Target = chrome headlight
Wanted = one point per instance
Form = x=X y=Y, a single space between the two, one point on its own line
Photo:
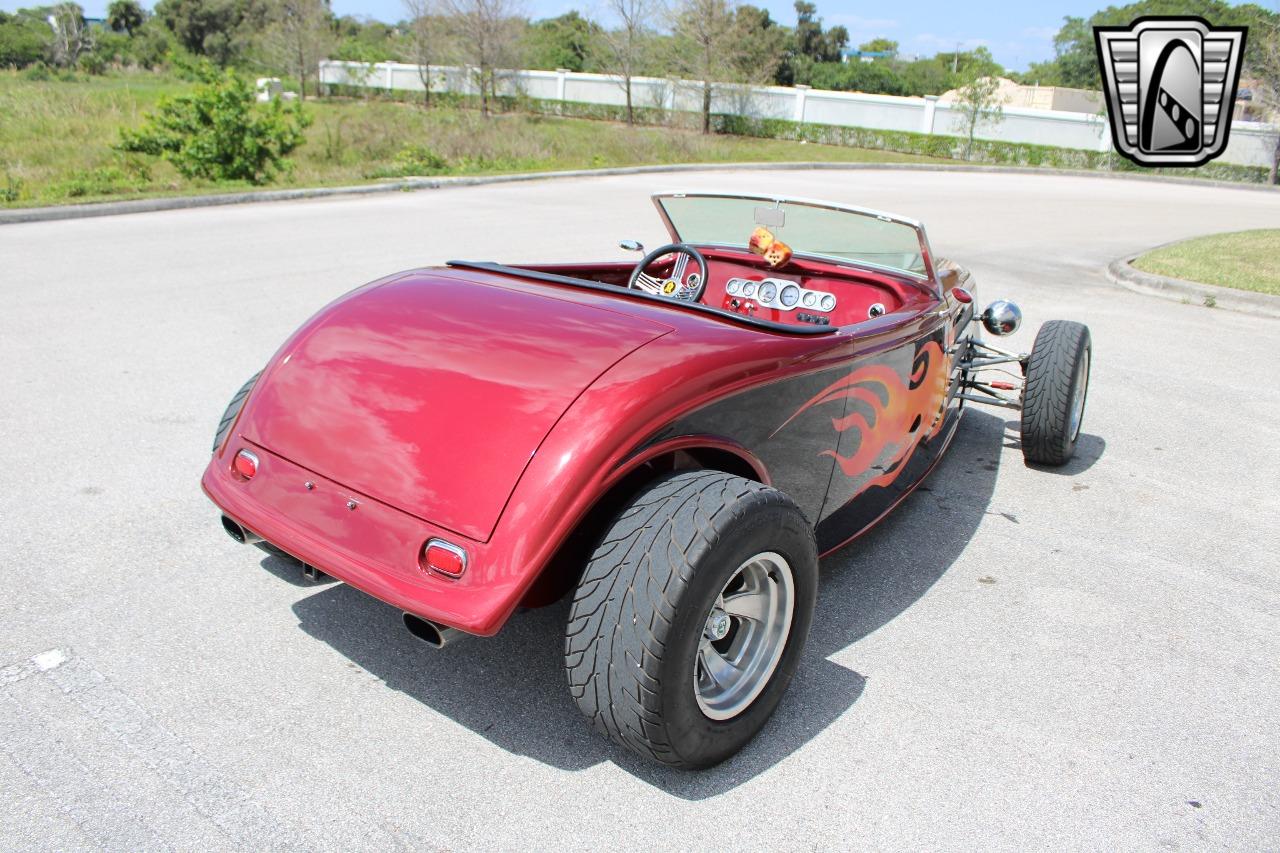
x=1002 y=317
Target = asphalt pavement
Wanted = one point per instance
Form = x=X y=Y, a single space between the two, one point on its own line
x=1083 y=658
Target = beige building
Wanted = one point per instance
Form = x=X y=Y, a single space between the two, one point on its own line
x=1015 y=95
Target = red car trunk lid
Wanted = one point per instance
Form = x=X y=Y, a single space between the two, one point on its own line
x=431 y=393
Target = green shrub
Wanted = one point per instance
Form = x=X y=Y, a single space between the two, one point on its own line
x=12 y=189
x=188 y=66
x=24 y=38
x=219 y=132
x=93 y=63
x=355 y=50
x=335 y=146
x=111 y=47
x=420 y=160
x=503 y=163
x=37 y=72
x=152 y=44
x=105 y=180
x=412 y=161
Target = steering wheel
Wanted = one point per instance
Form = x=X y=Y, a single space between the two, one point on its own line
x=676 y=286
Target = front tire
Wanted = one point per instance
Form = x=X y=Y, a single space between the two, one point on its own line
x=691 y=617
x=1057 y=387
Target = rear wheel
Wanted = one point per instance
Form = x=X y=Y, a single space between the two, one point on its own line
x=1057 y=387
x=690 y=619
x=233 y=409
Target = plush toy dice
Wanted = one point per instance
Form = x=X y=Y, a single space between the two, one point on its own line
x=775 y=252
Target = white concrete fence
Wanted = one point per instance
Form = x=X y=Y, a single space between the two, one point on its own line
x=1251 y=143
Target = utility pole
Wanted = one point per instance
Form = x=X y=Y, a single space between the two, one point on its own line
x=955 y=59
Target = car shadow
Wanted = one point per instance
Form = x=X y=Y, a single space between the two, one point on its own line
x=1089 y=449
x=289 y=570
x=511 y=688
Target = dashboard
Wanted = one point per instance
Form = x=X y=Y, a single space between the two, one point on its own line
x=783 y=295
x=802 y=291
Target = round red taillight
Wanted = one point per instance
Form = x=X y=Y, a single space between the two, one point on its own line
x=245 y=464
x=444 y=557
x=962 y=295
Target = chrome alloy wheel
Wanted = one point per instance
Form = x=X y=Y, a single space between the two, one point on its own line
x=744 y=636
x=1077 y=402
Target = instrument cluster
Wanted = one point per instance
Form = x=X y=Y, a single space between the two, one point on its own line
x=781 y=295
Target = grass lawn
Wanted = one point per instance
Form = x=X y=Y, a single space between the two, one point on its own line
x=56 y=138
x=1245 y=260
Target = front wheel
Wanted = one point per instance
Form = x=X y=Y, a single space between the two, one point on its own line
x=691 y=616
x=1057 y=387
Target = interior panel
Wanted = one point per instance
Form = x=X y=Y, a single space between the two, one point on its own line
x=856 y=291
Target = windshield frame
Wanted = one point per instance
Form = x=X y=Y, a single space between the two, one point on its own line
x=928 y=277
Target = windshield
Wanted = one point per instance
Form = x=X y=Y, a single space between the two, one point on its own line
x=862 y=237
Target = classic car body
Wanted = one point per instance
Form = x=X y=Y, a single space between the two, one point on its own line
x=507 y=413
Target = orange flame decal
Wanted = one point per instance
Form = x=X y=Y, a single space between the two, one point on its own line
x=901 y=414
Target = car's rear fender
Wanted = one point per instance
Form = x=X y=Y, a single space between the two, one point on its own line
x=688 y=452
x=622 y=430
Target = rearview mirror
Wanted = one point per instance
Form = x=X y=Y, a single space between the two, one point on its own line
x=632 y=245
x=771 y=217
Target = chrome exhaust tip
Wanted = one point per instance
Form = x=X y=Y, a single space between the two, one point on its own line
x=432 y=633
x=243 y=535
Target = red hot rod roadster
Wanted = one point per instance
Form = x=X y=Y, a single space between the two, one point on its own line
x=674 y=442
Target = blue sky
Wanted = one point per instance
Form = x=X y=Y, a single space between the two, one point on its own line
x=1017 y=33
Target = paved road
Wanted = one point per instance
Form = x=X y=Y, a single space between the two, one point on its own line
x=1074 y=659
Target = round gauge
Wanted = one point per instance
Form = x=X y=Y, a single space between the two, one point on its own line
x=768 y=291
x=828 y=302
x=789 y=296
x=749 y=288
x=692 y=279
x=733 y=287
x=810 y=300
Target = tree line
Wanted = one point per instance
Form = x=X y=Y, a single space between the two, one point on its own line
x=722 y=41
x=717 y=39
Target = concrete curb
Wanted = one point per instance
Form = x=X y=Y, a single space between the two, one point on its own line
x=1122 y=273
x=117 y=208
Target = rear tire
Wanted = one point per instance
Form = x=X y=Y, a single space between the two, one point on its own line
x=233 y=409
x=1056 y=390
x=661 y=583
